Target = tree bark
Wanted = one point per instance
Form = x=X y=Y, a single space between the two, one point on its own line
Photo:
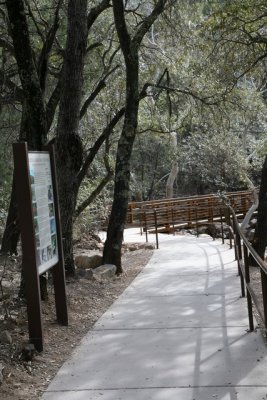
x=32 y=93
x=260 y=238
x=112 y=249
x=69 y=150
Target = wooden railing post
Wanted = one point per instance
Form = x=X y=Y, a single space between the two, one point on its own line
x=196 y=216
x=145 y=223
x=173 y=223
x=221 y=221
x=156 y=228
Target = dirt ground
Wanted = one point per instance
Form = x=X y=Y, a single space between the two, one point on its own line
x=87 y=301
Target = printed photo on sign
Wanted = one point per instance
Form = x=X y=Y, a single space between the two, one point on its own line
x=53 y=226
x=37 y=241
x=50 y=193
x=44 y=255
x=51 y=210
x=39 y=257
x=34 y=209
x=49 y=252
x=31 y=176
x=54 y=244
x=33 y=193
x=36 y=225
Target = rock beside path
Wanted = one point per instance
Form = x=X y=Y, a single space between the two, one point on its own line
x=86 y=261
x=105 y=271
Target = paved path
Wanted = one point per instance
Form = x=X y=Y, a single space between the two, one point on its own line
x=178 y=332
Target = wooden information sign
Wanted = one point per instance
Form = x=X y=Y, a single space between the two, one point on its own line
x=39 y=220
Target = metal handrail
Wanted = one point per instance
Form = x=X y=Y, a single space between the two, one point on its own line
x=243 y=249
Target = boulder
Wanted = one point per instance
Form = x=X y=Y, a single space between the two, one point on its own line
x=138 y=246
x=202 y=230
x=105 y=271
x=149 y=246
x=133 y=247
x=86 y=273
x=146 y=246
x=215 y=230
x=85 y=261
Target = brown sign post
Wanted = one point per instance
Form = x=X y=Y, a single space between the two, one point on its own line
x=39 y=219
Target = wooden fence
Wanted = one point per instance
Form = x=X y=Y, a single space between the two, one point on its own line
x=187 y=211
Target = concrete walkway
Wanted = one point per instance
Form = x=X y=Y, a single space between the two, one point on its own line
x=178 y=332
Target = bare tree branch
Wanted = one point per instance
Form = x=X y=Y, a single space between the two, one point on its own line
x=101 y=85
x=47 y=46
x=148 y=21
x=96 y=11
x=99 y=188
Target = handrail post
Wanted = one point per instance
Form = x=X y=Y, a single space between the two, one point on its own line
x=239 y=258
x=189 y=216
x=140 y=218
x=264 y=296
x=145 y=221
x=235 y=235
x=196 y=216
x=173 y=222
x=249 y=300
x=228 y=222
x=156 y=228
x=221 y=220
x=228 y=216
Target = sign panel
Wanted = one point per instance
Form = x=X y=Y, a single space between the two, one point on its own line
x=41 y=239
x=43 y=210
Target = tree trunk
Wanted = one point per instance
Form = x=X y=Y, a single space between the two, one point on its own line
x=260 y=238
x=12 y=231
x=69 y=151
x=130 y=47
x=253 y=208
x=112 y=249
x=33 y=121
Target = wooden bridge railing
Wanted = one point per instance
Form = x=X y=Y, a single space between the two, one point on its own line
x=186 y=206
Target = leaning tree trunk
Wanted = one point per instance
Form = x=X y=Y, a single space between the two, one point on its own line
x=260 y=238
x=69 y=152
x=253 y=208
x=112 y=249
